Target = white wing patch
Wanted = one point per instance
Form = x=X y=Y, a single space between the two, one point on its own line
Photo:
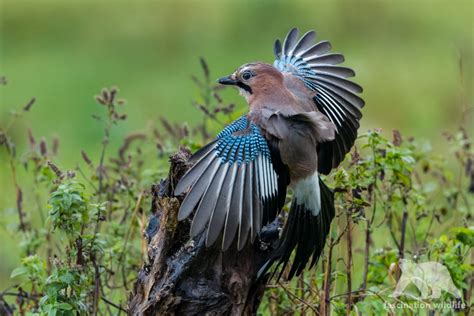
x=268 y=178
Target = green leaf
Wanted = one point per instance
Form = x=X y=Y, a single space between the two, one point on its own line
x=43 y=300
x=18 y=271
x=67 y=278
x=64 y=306
x=465 y=235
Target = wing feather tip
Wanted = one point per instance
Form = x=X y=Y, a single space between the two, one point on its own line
x=277 y=48
x=182 y=215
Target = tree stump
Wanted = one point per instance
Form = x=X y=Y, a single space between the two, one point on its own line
x=184 y=277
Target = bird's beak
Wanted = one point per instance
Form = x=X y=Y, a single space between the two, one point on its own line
x=229 y=80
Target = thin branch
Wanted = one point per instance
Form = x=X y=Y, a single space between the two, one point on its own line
x=113 y=304
x=366 y=255
x=135 y=211
x=325 y=302
x=401 y=249
x=298 y=298
x=349 y=263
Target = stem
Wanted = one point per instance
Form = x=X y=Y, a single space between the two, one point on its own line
x=401 y=249
x=105 y=142
x=120 y=308
x=349 y=264
x=302 y=290
x=366 y=256
x=326 y=303
x=96 y=293
x=135 y=211
x=298 y=298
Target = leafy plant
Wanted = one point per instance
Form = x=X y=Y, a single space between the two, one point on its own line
x=394 y=199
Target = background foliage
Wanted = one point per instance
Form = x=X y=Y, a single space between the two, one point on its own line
x=415 y=61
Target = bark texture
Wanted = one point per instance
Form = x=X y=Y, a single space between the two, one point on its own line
x=184 y=277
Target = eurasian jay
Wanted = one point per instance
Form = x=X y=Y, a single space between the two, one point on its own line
x=303 y=119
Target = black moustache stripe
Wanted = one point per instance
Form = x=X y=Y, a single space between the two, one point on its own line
x=245 y=87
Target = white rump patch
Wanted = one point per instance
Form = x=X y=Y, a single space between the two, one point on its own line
x=307 y=193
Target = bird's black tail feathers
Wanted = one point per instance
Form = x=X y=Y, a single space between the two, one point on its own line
x=305 y=233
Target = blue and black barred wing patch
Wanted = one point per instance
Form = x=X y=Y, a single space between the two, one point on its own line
x=232 y=186
x=336 y=97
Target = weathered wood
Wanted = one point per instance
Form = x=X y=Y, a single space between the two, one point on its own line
x=186 y=278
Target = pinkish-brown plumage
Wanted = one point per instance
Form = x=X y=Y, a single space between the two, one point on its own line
x=303 y=119
x=284 y=108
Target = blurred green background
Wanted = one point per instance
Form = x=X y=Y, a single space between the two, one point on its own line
x=407 y=55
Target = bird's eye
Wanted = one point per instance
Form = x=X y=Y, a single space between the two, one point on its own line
x=246 y=75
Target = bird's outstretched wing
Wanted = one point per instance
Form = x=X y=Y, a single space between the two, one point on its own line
x=236 y=185
x=336 y=97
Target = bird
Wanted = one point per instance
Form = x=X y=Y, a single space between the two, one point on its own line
x=303 y=119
